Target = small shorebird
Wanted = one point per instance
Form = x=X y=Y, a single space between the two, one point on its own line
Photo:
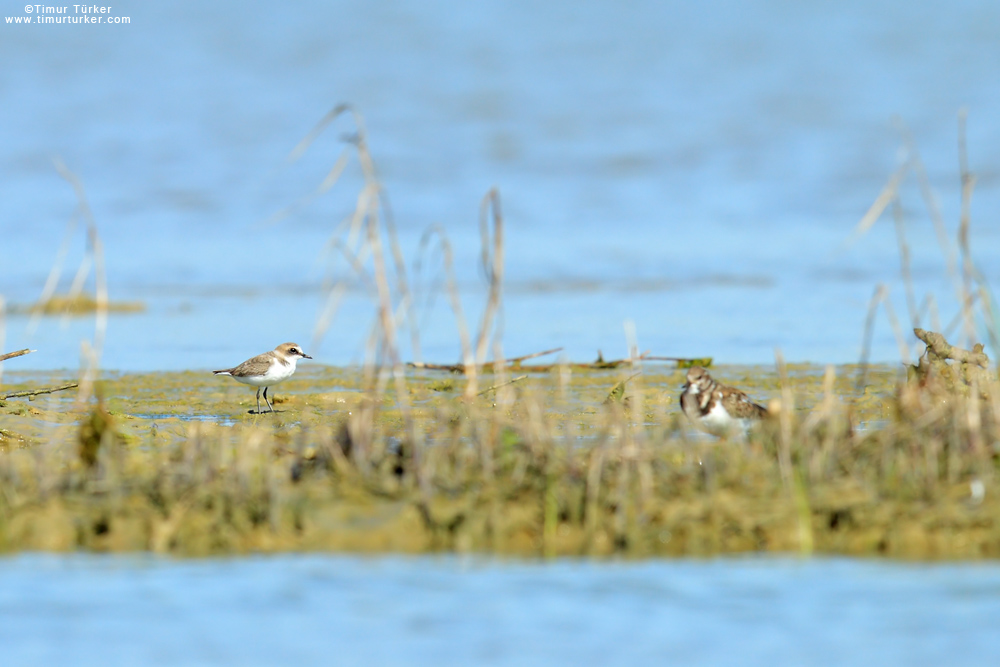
x=268 y=369
x=716 y=408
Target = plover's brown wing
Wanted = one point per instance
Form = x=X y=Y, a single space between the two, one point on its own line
x=739 y=405
x=255 y=366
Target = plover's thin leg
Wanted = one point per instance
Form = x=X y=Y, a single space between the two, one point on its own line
x=267 y=401
x=258 y=399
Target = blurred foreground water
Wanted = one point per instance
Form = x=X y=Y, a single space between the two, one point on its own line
x=312 y=610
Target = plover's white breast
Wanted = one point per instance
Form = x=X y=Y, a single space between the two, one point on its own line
x=276 y=372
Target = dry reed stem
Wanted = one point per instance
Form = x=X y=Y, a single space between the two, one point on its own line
x=91 y=352
x=331 y=178
x=785 y=417
x=52 y=280
x=904 y=262
x=866 y=340
x=933 y=208
x=468 y=358
x=897 y=330
x=507 y=396
x=881 y=296
x=406 y=300
x=960 y=318
x=826 y=413
x=989 y=316
x=968 y=181
x=388 y=333
x=930 y=307
x=332 y=115
x=888 y=194
x=493 y=265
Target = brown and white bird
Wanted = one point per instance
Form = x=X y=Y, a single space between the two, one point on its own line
x=268 y=369
x=716 y=408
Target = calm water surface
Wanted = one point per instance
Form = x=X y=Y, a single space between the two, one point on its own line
x=313 y=610
x=694 y=168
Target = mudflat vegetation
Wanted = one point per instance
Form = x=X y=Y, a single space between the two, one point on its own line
x=560 y=462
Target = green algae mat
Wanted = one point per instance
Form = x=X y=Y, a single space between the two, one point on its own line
x=555 y=463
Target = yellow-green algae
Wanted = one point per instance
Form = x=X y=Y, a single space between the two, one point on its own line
x=175 y=462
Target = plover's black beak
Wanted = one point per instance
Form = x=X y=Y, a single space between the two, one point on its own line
x=305 y=356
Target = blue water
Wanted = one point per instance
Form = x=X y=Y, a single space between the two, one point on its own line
x=319 y=610
x=694 y=168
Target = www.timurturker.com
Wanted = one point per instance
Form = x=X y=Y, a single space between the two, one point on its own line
x=86 y=14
